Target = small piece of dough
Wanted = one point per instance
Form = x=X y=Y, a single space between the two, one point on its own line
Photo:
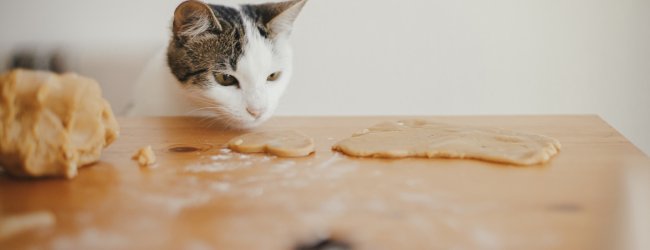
x=281 y=143
x=13 y=225
x=52 y=124
x=418 y=138
x=145 y=156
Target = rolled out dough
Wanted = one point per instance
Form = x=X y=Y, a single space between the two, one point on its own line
x=281 y=143
x=52 y=124
x=418 y=138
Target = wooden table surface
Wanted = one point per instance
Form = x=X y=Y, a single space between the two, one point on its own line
x=200 y=196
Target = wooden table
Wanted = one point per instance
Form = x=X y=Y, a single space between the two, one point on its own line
x=200 y=196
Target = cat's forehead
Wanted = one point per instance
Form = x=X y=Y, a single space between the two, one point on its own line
x=230 y=44
x=194 y=57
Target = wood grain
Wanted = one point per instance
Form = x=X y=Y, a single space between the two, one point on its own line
x=201 y=197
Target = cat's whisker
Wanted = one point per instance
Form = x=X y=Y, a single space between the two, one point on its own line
x=221 y=116
x=202 y=109
x=204 y=100
x=215 y=121
x=205 y=119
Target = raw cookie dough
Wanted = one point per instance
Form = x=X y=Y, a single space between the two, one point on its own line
x=281 y=143
x=418 y=138
x=52 y=124
x=145 y=156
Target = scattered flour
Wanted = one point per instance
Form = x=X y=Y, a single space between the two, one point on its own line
x=413 y=183
x=327 y=163
x=486 y=239
x=83 y=218
x=91 y=238
x=174 y=204
x=297 y=183
x=339 y=171
x=197 y=245
x=283 y=166
x=253 y=179
x=220 y=157
x=221 y=186
x=290 y=175
x=376 y=205
x=416 y=198
x=334 y=206
x=267 y=158
x=217 y=167
x=255 y=192
x=16 y=224
x=207 y=168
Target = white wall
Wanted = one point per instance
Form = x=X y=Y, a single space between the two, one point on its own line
x=366 y=57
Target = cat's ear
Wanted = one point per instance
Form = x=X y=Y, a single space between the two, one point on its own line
x=279 y=17
x=192 y=18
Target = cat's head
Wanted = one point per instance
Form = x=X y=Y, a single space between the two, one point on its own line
x=234 y=63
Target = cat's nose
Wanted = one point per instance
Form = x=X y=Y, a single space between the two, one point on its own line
x=254 y=112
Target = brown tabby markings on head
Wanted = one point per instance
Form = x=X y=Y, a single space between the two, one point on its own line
x=193 y=58
x=208 y=38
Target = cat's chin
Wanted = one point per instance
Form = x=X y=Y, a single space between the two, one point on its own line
x=247 y=125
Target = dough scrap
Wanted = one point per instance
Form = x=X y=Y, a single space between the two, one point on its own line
x=419 y=138
x=281 y=143
x=145 y=156
x=52 y=124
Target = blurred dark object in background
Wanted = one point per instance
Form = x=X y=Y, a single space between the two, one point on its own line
x=32 y=58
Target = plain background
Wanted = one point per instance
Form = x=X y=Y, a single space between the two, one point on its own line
x=365 y=57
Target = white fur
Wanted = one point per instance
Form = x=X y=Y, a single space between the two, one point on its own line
x=158 y=93
x=284 y=22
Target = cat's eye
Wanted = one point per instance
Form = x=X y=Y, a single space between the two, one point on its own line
x=274 y=77
x=226 y=80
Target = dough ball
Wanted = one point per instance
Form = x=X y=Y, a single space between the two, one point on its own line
x=50 y=124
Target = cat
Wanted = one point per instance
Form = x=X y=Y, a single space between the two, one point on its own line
x=229 y=63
